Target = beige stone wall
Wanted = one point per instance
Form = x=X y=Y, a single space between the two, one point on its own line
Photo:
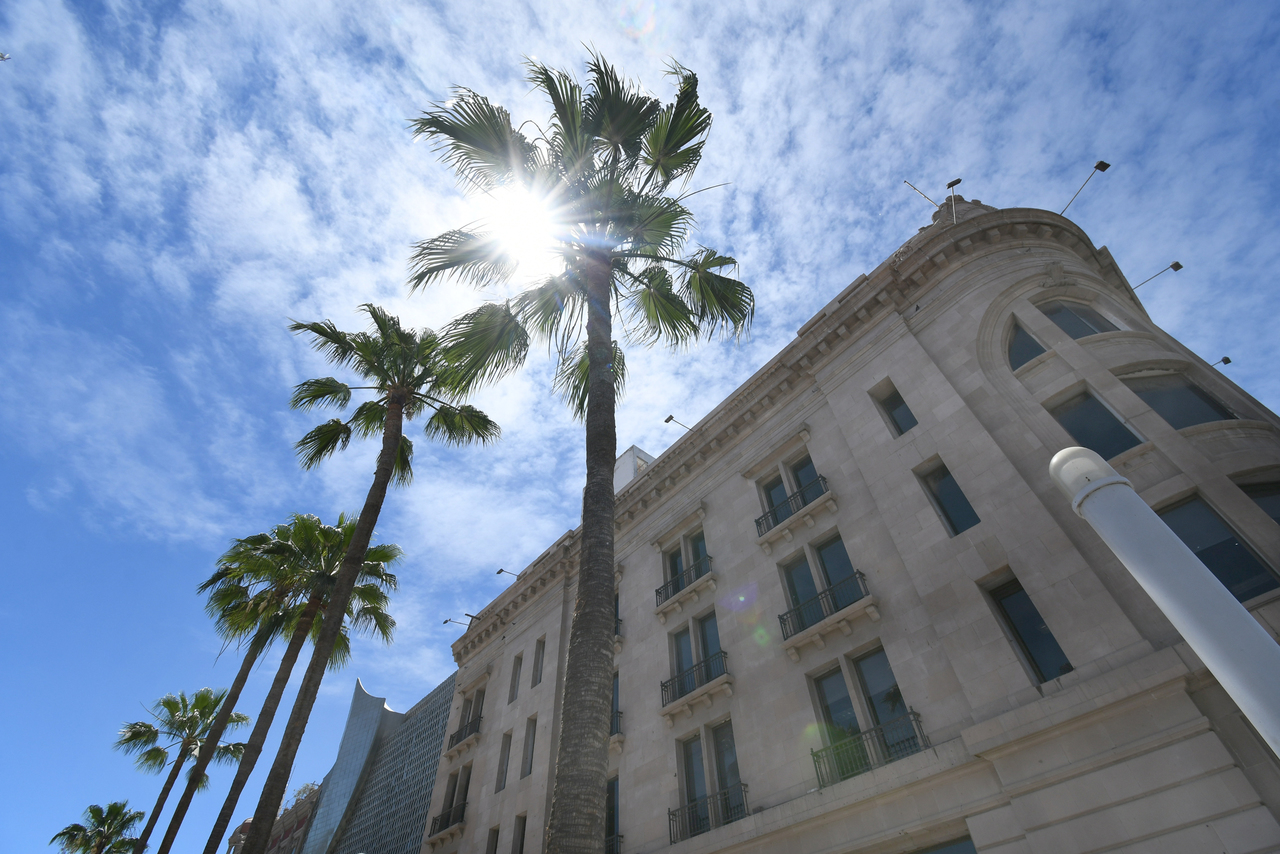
x=1136 y=749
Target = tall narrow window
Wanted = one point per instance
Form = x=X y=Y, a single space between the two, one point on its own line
x=1046 y=657
x=617 y=618
x=960 y=846
x=1093 y=426
x=775 y=498
x=464 y=783
x=955 y=508
x=1078 y=321
x=732 y=803
x=675 y=568
x=698 y=553
x=615 y=717
x=515 y=678
x=695 y=787
x=899 y=413
x=1266 y=496
x=1177 y=401
x=491 y=847
x=504 y=759
x=836 y=705
x=709 y=637
x=800 y=583
x=530 y=731
x=880 y=687
x=1219 y=549
x=807 y=483
x=840 y=575
x=611 y=832
x=517 y=844
x=1022 y=347
x=540 y=650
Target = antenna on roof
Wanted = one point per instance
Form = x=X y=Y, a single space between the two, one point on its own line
x=952 y=188
x=917 y=189
x=1100 y=166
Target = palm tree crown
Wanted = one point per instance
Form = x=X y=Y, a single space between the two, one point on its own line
x=105 y=831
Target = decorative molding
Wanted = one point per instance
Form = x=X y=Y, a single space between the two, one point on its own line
x=841 y=621
x=703 y=696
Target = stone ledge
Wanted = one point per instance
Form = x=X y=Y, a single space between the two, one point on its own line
x=689 y=593
x=462 y=746
x=703 y=695
x=444 y=837
x=785 y=530
x=868 y=605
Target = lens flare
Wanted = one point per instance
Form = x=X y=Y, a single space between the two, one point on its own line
x=639 y=18
x=740 y=599
x=526 y=227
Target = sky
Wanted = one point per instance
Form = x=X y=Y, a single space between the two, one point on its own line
x=179 y=180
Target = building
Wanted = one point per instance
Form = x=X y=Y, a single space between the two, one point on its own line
x=289 y=830
x=855 y=614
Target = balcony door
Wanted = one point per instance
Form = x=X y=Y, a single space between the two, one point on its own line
x=709 y=638
x=730 y=803
x=682 y=642
x=695 y=788
x=839 y=574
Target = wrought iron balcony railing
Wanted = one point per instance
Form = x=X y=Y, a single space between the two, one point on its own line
x=795 y=501
x=683 y=580
x=837 y=597
x=448 y=818
x=695 y=677
x=613 y=844
x=615 y=723
x=719 y=808
x=470 y=728
x=862 y=751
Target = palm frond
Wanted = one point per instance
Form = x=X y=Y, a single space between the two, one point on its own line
x=322 y=441
x=617 y=111
x=476 y=258
x=723 y=305
x=572 y=379
x=462 y=425
x=552 y=310
x=369 y=419
x=571 y=141
x=658 y=311
x=476 y=138
x=325 y=391
x=329 y=340
x=402 y=468
x=486 y=344
x=673 y=147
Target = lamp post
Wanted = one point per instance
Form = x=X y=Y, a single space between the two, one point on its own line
x=1238 y=652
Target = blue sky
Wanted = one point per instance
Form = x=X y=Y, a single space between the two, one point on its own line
x=178 y=180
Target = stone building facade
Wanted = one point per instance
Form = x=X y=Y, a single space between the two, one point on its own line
x=855 y=615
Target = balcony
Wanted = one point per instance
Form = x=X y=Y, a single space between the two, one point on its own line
x=863 y=751
x=447 y=826
x=832 y=609
x=697 y=685
x=799 y=507
x=685 y=587
x=616 y=738
x=460 y=742
x=716 y=809
x=613 y=844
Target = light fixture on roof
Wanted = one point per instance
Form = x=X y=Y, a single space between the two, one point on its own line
x=952 y=187
x=671 y=418
x=449 y=620
x=922 y=195
x=1225 y=360
x=1175 y=267
x=1100 y=166
x=507 y=571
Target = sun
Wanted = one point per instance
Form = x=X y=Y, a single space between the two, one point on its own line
x=526 y=226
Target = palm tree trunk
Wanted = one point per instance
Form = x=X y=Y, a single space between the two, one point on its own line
x=582 y=760
x=278 y=778
x=209 y=747
x=257 y=738
x=141 y=844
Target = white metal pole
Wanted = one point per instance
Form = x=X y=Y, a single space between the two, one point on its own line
x=1238 y=652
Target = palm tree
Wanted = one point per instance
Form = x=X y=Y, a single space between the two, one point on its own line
x=105 y=831
x=407 y=371
x=184 y=725
x=273 y=585
x=605 y=162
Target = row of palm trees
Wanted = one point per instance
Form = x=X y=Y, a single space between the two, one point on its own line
x=604 y=164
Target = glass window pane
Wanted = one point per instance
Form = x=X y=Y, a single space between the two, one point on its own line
x=1093 y=426
x=956 y=509
x=804 y=472
x=1219 y=549
x=698 y=547
x=694 y=781
x=1022 y=348
x=775 y=493
x=684 y=651
x=1178 y=401
x=881 y=687
x=709 y=635
x=837 y=707
x=675 y=565
x=1266 y=496
x=899 y=413
x=1047 y=658
x=800 y=583
x=835 y=562
x=960 y=846
x=726 y=756
x=611 y=808
x=1078 y=321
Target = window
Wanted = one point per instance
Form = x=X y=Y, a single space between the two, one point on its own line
x=1219 y=549
x=491 y=847
x=838 y=716
x=615 y=716
x=732 y=803
x=839 y=574
x=1093 y=426
x=675 y=568
x=471 y=707
x=880 y=688
x=800 y=584
x=1022 y=347
x=517 y=843
x=1038 y=644
x=530 y=731
x=899 y=413
x=455 y=793
x=1266 y=496
x=697 y=550
x=694 y=667
x=1078 y=321
x=955 y=509
x=504 y=759
x=795 y=486
x=540 y=650
x=1177 y=401
x=515 y=678
x=611 y=834
x=695 y=787
x=960 y=846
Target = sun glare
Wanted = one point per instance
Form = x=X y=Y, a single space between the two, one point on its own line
x=526 y=226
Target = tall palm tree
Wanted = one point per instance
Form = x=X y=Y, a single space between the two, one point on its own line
x=606 y=163
x=105 y=831
x=183 y=725
x=409 y=376
x=276 y=584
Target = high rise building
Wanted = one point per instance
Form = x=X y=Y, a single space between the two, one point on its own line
x=854 y=613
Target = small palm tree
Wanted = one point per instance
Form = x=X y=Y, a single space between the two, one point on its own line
x=605 y=163
x=105 y=831
x=409 y=376
x=181 y=725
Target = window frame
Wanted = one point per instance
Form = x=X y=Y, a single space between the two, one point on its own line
x=1245 y=544
x=530 y=745
x=1005 y=581
x=1070 y=303
x=1195 y=388
x=1010 y=333
x=863 y=714
x=517 y=663
x=923 y=474
x=539 y=656
x=880 y=394
x=1086 y=390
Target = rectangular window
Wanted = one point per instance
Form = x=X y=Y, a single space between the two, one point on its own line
x=960 y=846
x=1266 y=496
x=1219 y=549
x=837 y=707
x=1177 y=401
x=450 y=791
x=540 y=650
x=1078 y=321
x=615 y=719
x=800 y=584
x=880 y=687
x=1028 y=627
x=675 y=565
x=1022 y=347
x=517 y=843
x=695 y=787
x=515 y=678
x=956 y=510
x=732 y=803
x=611 y=816
x=464 y=783
x=1093 y=426
x=709 y=635
x=840 y=575
x=899 y=413
x=530 y=731
x=504 y=759
x=491 y=847
x=775 y=498
x=807 y=483
x=698 y=547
